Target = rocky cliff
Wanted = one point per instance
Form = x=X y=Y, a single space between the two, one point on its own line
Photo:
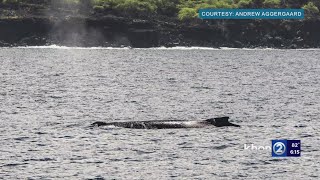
x=115 y=31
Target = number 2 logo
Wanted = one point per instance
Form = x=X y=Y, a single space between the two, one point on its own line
x=279 y=148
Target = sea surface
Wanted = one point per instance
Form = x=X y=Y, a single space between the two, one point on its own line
x=49 y=96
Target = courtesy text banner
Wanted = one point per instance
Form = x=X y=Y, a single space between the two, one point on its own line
x=251 y=13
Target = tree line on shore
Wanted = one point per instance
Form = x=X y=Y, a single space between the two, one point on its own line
x=182 y=9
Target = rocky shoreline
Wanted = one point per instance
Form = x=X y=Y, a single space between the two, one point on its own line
x=115 y=31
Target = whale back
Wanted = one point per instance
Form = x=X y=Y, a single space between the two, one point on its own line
x=221 y=121
x=168 y=124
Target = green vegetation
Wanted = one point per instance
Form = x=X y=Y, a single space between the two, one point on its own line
x=187 y=9
x=128 y=6
x=311 y=8
x=187 y=13
x=182 y=9
x=136 y=6
x=245 y=3
x=272 y=3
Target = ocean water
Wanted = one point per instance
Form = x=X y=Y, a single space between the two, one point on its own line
x=50 y=96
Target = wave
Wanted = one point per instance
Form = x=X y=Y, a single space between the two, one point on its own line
x=67 y=47
x=154 y=48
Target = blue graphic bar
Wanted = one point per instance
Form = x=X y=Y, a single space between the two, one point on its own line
x=251 y=13
x=286 y=148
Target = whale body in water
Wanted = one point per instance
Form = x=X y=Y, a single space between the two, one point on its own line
x=169 y=124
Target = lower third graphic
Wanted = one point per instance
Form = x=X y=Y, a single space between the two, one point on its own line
x=286 y=148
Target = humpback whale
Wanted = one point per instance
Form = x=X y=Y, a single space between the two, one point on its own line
x=169 y=124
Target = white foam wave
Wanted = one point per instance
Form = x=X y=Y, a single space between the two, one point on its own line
x=68 y=47
x=157 y=48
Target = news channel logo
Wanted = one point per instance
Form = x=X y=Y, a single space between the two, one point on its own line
x=286 y=148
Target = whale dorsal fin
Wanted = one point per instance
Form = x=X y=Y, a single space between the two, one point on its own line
x=221 y=121
x=98 y=123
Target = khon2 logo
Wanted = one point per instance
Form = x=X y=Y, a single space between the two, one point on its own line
x=286 y=148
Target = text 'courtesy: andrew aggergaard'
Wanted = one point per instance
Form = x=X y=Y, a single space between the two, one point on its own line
x=251 y=13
